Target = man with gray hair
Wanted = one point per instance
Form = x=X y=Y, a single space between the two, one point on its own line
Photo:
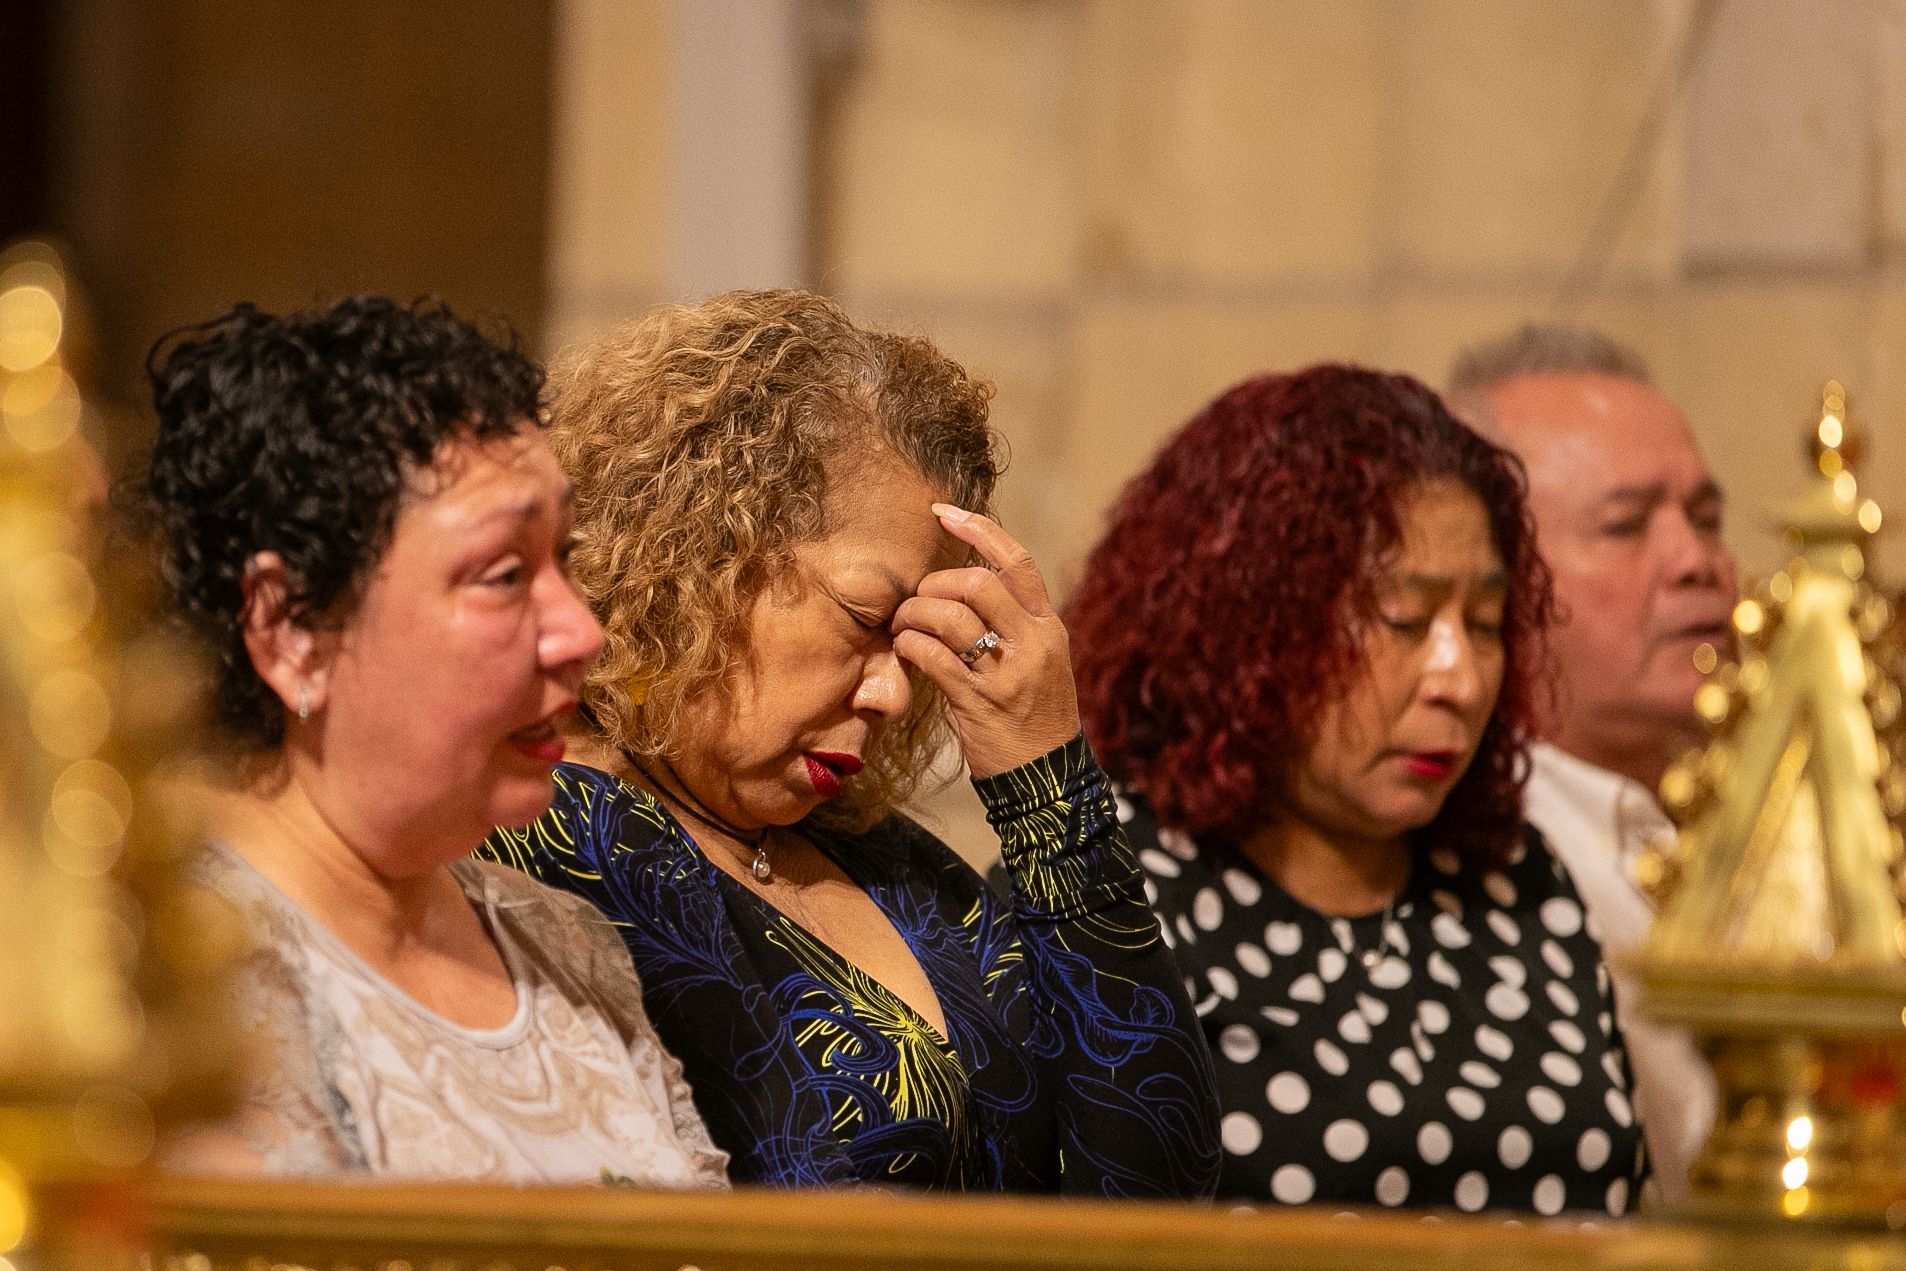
x=1629 y=519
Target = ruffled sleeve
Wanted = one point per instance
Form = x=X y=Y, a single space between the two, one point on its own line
x=1112 y=1026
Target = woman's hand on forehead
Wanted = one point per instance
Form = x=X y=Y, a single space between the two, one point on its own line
x=989 y=638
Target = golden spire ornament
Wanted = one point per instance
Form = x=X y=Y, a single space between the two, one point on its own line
x=1781 y=940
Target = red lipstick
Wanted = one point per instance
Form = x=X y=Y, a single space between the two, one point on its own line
x=1429 y=765
x=846 y=765
x=829 y=771
x=550 y=752
x=543 y=741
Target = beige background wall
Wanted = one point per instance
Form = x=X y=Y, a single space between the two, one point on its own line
x=1115 y=208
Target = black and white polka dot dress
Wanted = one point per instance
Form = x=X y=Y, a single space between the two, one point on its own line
x=1460 y=1053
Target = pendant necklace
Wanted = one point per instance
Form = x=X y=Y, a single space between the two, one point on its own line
x=760 y=867
x=1374 y=954
x=1370 y=956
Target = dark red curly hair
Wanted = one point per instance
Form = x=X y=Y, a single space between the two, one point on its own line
x=1217 y=615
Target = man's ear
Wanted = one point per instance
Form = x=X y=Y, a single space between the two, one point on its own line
x=287 y=655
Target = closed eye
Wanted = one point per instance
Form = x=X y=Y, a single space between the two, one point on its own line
x=1628 y=527
x=869 y=623
x=509 y=575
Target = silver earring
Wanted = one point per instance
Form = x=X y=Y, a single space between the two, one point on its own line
x=304 y=705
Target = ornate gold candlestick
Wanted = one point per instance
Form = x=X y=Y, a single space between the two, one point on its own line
x=1781 y=941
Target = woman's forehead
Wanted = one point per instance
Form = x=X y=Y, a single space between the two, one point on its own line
x=1445 y=540
x=474 y=478
x=1444 y=519
x=881 y=524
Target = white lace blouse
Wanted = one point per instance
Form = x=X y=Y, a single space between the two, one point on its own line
x=356 y=1076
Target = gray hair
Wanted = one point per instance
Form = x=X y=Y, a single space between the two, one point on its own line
x=1537 y=347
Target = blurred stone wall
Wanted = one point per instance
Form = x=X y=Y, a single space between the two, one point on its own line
x=1116 y=208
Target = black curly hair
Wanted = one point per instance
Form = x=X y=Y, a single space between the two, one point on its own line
x=298 y=435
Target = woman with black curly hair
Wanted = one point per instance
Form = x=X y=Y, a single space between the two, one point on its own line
x=1306 y=648
x=359 y=514
x=780 y=520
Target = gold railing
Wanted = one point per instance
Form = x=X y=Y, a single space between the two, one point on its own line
x=206 y=1226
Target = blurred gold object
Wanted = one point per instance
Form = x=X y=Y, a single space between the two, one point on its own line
x=104 y=1008
x=1781 y=941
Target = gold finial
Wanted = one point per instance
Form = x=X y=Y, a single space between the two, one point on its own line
x=1781 y=939
x=1829 y=524
x=1834 y=447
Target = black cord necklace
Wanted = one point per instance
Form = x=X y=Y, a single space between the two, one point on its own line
x=760 y=866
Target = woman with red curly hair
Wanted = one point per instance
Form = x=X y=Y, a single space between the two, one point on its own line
x=1306 y=649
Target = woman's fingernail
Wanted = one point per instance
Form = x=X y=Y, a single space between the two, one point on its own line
x=949 y=512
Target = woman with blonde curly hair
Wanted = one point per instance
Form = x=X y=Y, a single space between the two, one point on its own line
x=780 y=522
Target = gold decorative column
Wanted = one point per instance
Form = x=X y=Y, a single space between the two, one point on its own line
x=104 y=960
x=1781 y=941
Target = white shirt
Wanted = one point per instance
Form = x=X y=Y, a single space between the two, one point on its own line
x=353 y=1074
x=556 y=1095
x=1598 y=822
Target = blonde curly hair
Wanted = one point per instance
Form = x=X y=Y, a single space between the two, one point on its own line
x=702 y=440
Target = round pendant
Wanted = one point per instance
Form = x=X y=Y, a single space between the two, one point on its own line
x=759 y=867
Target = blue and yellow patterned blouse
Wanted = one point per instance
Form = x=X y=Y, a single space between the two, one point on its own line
x=1072 y=1060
